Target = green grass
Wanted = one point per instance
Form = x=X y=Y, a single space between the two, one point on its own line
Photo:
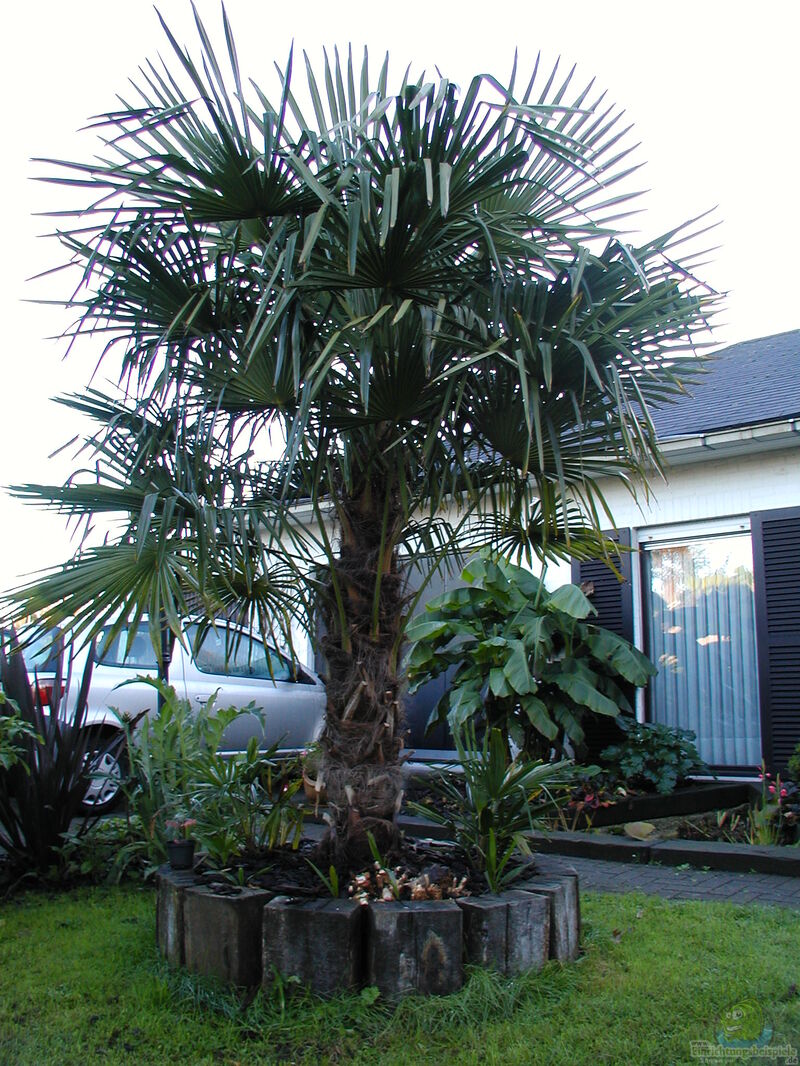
x=80 y=983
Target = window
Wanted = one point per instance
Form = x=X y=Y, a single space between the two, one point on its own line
x=141 y=654
x=700 y=633
x=41 y=655
x=234 y=654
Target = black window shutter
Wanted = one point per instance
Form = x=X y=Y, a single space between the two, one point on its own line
x=776 y=574
x=613 y=600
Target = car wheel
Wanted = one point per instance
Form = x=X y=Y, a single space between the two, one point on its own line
x=107 y=766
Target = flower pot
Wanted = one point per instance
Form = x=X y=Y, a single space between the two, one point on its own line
x=180 y=854
x=313 y=794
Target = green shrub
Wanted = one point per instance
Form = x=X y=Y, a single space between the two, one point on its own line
x=163 y=753
x=111 y=849
x=527 y=661
x=653 y=756
x=243 y=803
x=13 y=731
x=494 y=805
x=238 y=803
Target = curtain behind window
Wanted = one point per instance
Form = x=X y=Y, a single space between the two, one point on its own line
x=700 y=631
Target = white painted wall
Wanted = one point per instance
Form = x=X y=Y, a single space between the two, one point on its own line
x=725 y=486
x=701 y=496
x=710 y=488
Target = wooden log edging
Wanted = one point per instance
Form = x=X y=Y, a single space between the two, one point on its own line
x=244 y=936
x=702 y=854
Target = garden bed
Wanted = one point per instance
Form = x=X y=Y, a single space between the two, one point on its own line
x=245 y=934
x=694 y=798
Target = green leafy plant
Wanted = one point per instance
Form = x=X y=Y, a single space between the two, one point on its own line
x=311 y=759
x=329 y=880
x=527 y=660
x=13 y=730
x=793 y=766
x=163 y=750
x=235 y=803
x=587 y=795
x=244 y=802
x=495 y=804
x=110 y=850
x=653 y=756
x=383 y=867
x=180 y=825
x=763 y=820
x=775 y=816
x=313 y=778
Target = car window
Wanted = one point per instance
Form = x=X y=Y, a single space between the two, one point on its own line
x=233 y=654
x=42 y=653
x=141 y=655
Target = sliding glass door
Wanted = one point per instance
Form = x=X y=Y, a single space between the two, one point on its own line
x=700 y=633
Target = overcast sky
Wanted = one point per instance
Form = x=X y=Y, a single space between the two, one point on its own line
x=710 y=85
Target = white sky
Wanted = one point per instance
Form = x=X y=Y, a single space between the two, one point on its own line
x=711 y=86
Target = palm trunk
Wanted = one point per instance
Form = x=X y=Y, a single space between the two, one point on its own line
x=165 y=658
x=363 y=737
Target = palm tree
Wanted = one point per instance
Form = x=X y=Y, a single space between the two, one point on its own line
x=421 y=295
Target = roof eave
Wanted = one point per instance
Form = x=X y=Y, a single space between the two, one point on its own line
x=741 y=440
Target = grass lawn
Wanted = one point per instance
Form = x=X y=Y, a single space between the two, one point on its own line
x=80 y=983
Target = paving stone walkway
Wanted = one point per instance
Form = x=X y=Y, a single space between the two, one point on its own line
x=680 y=883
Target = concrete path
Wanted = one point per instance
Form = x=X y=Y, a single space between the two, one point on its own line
x=680 y=883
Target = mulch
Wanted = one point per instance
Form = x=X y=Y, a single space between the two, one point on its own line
x=441 y=870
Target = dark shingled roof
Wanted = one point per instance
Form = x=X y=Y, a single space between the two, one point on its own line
x=748 y=383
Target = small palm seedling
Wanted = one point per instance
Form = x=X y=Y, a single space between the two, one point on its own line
x=494 y=806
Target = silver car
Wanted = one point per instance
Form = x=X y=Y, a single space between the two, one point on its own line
x=241 y=668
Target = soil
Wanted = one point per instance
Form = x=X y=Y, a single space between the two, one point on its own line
x=418 y=870
x=428 y=797
x=728 y=827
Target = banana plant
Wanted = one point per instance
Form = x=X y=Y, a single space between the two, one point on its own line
x=527 y=661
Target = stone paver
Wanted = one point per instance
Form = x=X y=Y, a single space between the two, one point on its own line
x=675 y=883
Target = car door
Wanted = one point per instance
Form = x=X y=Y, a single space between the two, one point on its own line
x=290 y=703
x=113 y=667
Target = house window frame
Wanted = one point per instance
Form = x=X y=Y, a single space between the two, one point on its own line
x=664 y=536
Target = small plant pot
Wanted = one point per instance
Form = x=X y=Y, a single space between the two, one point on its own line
x=180 y=854
x=313 y=794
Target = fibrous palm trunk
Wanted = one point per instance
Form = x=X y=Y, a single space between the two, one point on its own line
x=363 y=737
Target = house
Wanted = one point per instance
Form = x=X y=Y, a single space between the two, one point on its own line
x=711 y=590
